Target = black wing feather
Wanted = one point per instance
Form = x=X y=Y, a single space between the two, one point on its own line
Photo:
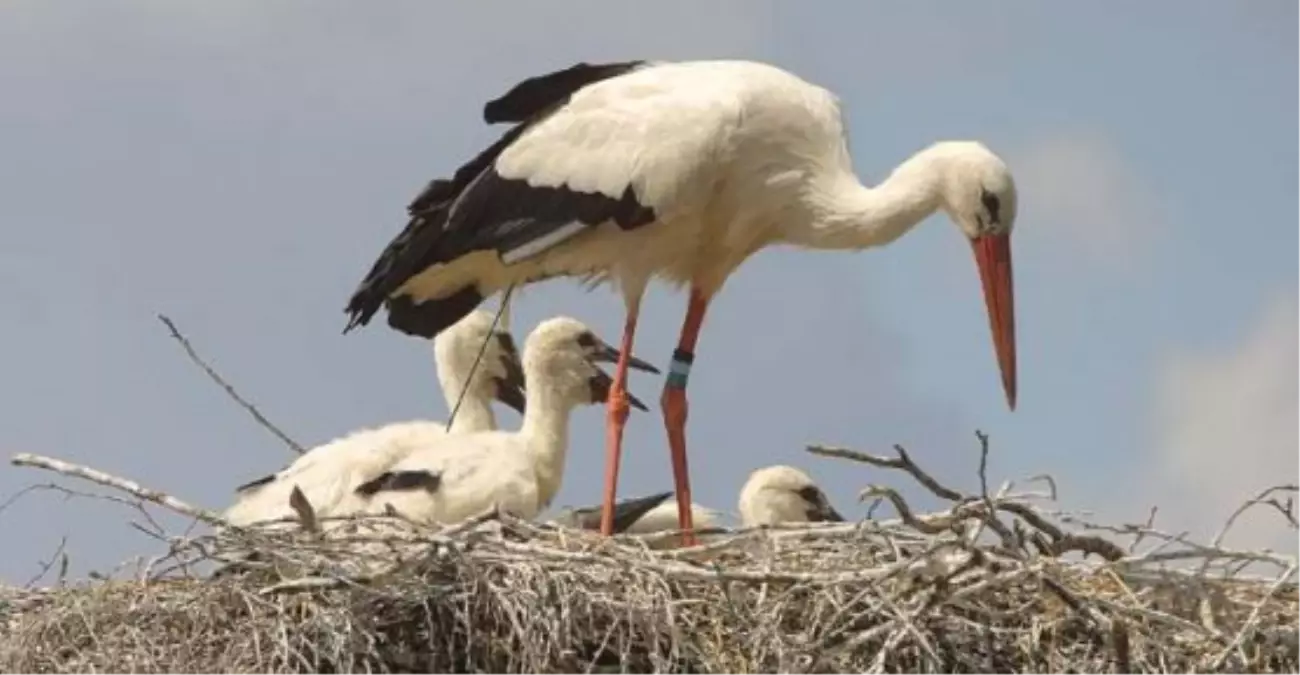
x=626 y=512
x=399 y=481
x=256 y=483
x=407 y=253
x=502 y=214
x=477 y=209
x=535 y=94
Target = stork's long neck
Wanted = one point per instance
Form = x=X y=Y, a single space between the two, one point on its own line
x=845 y=214
x=545 y=430
x=475 y=413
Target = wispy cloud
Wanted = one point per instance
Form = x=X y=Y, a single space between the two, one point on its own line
x=1086 y=198
x=1226 y=427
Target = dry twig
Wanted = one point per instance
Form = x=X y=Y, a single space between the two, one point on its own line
x=108 y=480
x=497 y=594
x=230 y=390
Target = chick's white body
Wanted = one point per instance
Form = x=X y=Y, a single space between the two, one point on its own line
x=518 y=472
x=328 y=473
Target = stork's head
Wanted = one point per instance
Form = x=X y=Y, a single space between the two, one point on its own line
x=978 y=193
x=499 y=374
x=561 y=354
x=784 y=494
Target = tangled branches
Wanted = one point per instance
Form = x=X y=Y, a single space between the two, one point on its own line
x=992 y=583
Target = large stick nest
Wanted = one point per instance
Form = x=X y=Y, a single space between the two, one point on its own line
x=994 y=583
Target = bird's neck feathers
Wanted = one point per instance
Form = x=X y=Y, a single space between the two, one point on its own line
x=845 y=214
x=545 y=430
x=475 y=413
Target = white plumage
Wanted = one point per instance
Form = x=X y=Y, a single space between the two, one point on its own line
x=771 y=495
x=651 y=514
x=626 y=172
x=327 y=473
x=784 y=494
x=459 y=475
x=663 y=518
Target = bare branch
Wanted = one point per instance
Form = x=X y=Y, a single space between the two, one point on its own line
x=230 y=390
x=1260 y=499
x=58 y=556
x=904 y=463
x=96 y=476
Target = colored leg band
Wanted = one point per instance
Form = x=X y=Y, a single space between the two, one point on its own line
x=680 y=369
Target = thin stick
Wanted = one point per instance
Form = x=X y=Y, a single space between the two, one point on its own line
x=131 y=487
x=903 y=462
x=460 y=398
x=230 y=391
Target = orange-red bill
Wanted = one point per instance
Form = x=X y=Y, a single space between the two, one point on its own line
x=993 y=256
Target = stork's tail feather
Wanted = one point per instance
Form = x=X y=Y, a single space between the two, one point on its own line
x=427 y=240
x=428 y=318
x=401 y=259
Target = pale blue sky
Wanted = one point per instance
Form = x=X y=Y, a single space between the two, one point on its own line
x=239 y=165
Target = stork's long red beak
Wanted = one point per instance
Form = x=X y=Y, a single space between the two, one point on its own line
x=993 y=256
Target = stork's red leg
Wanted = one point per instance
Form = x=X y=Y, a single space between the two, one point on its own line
x=674 y=406
x=617 y=407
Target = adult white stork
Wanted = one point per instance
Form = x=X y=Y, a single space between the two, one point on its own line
x=679 y=170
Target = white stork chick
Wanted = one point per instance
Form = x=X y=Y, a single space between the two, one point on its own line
x=784 y=494
x=663 y=518
x=624 y=172
x=364 y=452
x=771 y=495
x=460 y=475
x=640 y=515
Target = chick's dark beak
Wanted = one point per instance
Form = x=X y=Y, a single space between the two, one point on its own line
x=828 y=514
x=605 y=353
x=511 y=393
x=819 y=507
x=601 y=383
x=510 y=388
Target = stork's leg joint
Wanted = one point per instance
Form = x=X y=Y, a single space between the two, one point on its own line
x=618 y=406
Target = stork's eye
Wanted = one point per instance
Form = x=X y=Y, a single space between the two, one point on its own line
x=588 y=340
x=992 y=205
